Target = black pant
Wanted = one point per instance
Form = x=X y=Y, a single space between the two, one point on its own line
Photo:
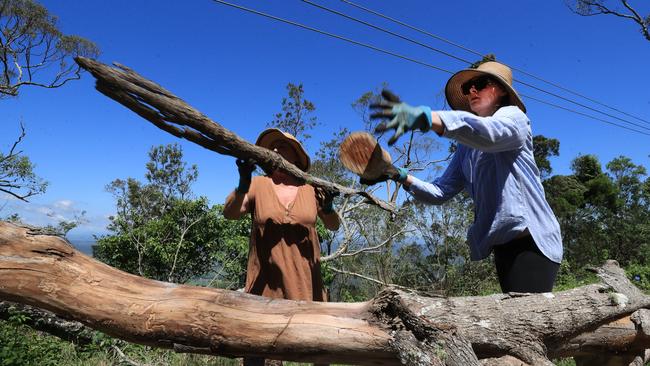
x=522 y=267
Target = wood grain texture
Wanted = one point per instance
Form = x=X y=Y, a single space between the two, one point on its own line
x=396 y=327
x=361 y=154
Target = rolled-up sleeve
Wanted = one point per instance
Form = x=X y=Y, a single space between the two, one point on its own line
x=444 y=187
x=506 y=130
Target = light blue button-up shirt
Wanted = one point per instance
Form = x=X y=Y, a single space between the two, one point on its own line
x=494 y=163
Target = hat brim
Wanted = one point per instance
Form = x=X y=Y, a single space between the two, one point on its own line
x=458 y=101
x=271 y=135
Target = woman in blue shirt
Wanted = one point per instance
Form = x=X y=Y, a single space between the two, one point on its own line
x=495 y=165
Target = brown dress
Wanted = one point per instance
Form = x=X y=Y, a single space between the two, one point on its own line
x=284 y=253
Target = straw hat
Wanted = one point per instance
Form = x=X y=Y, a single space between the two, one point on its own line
x=269 y=136
x=498 y=71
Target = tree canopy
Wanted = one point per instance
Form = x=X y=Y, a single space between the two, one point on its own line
x=33 y=51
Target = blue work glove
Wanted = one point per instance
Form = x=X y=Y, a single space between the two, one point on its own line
x=245 y=168
x=392 y=172
x=403 y=117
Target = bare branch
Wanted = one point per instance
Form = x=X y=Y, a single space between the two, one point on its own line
x=342 y=251
x=166 y=111
x=597 y=7
x=373 y=280
x=180 y=243
x=124 y=358
x=375 y=247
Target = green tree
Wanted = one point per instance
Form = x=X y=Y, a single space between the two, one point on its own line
x=601 y=191
x=160 y=232
x=544 y=148
x=17 y=177
x=628 y=178
x=296 y=116
x=603 y=214
x=33 y=51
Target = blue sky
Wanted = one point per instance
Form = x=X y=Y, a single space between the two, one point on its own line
x=234 y=67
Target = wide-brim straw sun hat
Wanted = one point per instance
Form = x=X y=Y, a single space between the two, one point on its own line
x=269 y=136
x=497 y=70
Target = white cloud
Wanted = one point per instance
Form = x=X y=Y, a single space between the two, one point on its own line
x=51 y=213
x=64 y=205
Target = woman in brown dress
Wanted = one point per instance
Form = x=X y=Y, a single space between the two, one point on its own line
x=284 y=251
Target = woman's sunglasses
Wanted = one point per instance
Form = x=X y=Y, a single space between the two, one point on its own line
x=479 y=83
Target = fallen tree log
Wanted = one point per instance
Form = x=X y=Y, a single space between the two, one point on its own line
x=396 y=327
x=171 y=114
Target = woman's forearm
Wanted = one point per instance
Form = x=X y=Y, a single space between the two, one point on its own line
x=235 y=205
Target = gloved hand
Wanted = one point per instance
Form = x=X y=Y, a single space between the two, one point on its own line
x=392 y=172
x=326 y=199
x=403 y=117
x=245 y=168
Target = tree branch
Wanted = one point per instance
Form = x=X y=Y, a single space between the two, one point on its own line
x=590 y=8
x=169 y=113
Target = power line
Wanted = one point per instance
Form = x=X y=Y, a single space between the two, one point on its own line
x=461 y=59
x=386 y=31
x=481 y=55
x=583 y=114
x=332 y=35
x=583 y=105
x=412 y=27
x=398 y=55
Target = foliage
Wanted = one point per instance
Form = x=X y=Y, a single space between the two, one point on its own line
x=20 y=345
x=486 y=58
x=229 y=269
x=543 y=149
x=639 y=274
x=603 y=214
x=159 y=232
x=23 y=346
x=34 y=51
x=295 y=117
x=181 y=243
x=17 y=177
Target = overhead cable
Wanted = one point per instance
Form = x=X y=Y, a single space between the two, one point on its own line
x=386 y=31
x=366 y=45
x=422 y=31
x=464 y=60
x=394 y=54
x=583 y=114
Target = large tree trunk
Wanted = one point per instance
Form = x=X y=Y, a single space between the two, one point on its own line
x=396 y=327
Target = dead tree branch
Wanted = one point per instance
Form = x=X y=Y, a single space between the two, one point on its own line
x=597 y=7
x=169 y=113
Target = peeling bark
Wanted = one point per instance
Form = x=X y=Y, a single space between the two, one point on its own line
x=171 y=114
x=396 y=327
